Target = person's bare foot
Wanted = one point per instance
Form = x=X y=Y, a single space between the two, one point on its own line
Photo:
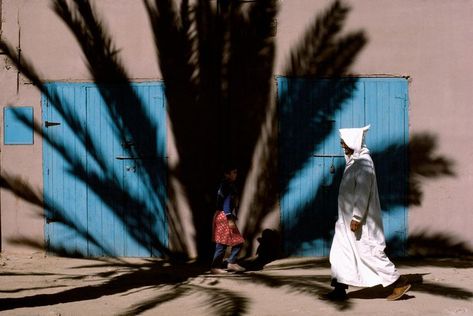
x=217 y=271
x=235 y=267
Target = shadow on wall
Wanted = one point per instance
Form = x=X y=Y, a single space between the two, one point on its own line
x=426 y=166
x=128 y=119
x=323 y=51
x=217 y=63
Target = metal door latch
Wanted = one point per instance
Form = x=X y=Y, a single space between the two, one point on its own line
x=49 y=124
x=332 y=166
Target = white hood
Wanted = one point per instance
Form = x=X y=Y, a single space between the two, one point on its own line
x=354 y=139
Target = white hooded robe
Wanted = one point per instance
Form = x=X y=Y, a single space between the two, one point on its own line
x=358 y=258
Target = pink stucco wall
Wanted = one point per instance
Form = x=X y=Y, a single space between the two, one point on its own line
x=429 y=41
x=56 y=56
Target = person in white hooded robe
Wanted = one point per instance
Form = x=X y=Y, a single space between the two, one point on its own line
x=357 y=255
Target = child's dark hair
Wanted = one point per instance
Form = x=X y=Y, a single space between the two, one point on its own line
x=229 y=167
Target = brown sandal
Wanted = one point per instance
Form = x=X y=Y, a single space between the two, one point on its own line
x=398 y=292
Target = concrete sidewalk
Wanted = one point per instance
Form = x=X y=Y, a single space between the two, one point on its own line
x=39 y=285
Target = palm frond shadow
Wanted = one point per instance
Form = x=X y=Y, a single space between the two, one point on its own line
x=172 y=279
x=444 y=291
x=225 y=302
x=308 y=263
x=301 y=284
x=125 y=109
x=322 y=52
x=17 y=290
x=174 y=293
x=218 y=67
x=105 y=67
x=418 y=285
x=218 y=301
x=154 y=275
x=218 y=72
x=129 y=116
x=425 y=244
x=427 y=165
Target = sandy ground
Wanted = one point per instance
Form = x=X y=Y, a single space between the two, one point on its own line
x=43 y=285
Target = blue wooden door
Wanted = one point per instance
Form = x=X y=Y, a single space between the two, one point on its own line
x=311 y=161
x=105 y=169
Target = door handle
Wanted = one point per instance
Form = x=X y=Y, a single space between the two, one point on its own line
x=132 y=158
x=138 y=158
x=332 y=166
x=127 y=158
x=49 y=124
x=328 y=156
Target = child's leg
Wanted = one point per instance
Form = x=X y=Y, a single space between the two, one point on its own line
x=232 y=265
x=234 y=253
x=218 y=255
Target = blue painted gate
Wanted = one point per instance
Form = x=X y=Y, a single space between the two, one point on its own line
x=311 y=161
x=105 y=169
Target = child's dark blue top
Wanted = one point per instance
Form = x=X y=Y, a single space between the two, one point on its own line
x=226 y=198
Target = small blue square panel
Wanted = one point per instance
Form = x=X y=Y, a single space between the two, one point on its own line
x=18 y=125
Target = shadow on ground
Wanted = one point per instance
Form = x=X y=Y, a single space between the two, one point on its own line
x=304 y=276
x=215 y=59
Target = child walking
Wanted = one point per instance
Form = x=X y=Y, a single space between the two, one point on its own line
x=225 y=231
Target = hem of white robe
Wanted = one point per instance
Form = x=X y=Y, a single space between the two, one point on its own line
x=351 y=283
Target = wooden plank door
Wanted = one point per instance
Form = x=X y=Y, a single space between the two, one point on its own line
x=311 y=160
x=65 y=222
x=122 y=206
